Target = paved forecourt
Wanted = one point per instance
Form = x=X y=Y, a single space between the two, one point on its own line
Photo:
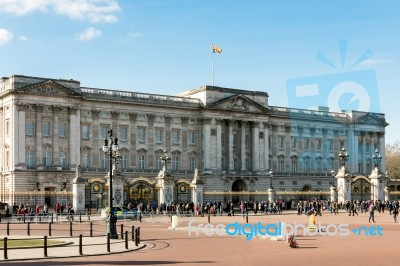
x=166 y=246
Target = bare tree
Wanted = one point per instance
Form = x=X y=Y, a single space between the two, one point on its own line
x=393 y=160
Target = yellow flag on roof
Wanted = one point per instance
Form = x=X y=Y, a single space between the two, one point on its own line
x=216 y=49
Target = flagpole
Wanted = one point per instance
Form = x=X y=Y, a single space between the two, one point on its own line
x=212 y=62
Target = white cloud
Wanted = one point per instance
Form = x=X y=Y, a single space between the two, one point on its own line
x=89 y=34
x=23 y=38
x=5 y=36
x=134 y=35
x=92 y=10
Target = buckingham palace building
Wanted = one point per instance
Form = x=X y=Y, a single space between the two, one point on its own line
x=229 y=142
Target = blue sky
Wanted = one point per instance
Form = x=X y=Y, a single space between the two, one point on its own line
x=164 y=46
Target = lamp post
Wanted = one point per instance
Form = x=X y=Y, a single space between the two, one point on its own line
x=271 y=191
x=111 y=148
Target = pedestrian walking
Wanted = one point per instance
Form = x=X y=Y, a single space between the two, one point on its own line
x=371 y=212
x=395 y=212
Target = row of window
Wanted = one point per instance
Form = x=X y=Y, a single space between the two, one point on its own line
x=141 y=134
x=367 y=147
x=123 y=132
x=47 y=160
x=295 y=144
x=46 y=129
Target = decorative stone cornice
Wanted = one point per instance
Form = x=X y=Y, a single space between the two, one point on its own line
x=184 y=119
x=95 y=113
x=114 y=114
x=167 y=118
x=151 y=117
x=132 y=116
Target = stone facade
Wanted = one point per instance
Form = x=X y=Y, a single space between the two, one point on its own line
x=234 y=137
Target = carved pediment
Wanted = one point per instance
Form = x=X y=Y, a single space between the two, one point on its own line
x=238 y=103
x=371 y=119
x=50 y=88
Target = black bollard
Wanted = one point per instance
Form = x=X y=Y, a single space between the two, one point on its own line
x=5 y=249
x=28 y=230
x=138 y=237
x=209 y=217
x=52 y=218
x=126 y=240
x=122 y=231
x=133 y=233
x=49 y=228
x=108 y=242
x=80 y=218
x=80 y=245
x=247 y=217
x=140 y=217
x=24 y=218
x=91 y=229
x=70 y=229
x=45 y=245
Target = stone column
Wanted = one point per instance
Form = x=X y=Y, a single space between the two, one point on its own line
x=343 y=184
x=78 y=191
x=97 y=138
x=377 y=184
x=243 y=147
x=266 y=147
x=333 y=193
x=165 y=185
x=55 y=136
x=168 y=139
x=271 y=194
x=255 y=158
x=387 y=196
x=19 y=142
x=38 y=134
x=364 y=151
x=219 y=143
x=230 y=146
x=75 y=137
x=150 y=141
x=207 y=143
x=132 y=139
x=352 y=148
x=197 y=188
x=118 y=188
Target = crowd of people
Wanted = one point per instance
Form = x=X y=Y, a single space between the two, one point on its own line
x=306 y=207
x=30 y=211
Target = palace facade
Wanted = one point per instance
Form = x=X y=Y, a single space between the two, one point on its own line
x=233 y=137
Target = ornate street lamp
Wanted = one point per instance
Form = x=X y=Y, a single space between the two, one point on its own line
x=377 y=158
x=111 y=148
x=343 y=157
x=271 y=175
